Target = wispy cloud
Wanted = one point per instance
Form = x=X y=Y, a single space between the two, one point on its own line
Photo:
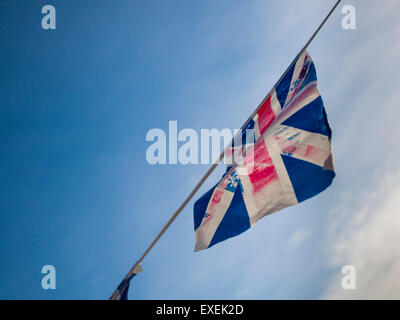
x=365 y=233
x=297 y=238
x=363 y=225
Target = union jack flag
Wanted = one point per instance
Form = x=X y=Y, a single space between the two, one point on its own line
x=287 y=160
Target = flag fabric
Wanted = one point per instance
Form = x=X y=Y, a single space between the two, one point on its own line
x=287 y=160
x=121 y=293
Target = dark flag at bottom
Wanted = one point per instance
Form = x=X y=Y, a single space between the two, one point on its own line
x=121 y=293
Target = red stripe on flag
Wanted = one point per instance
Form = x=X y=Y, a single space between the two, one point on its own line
x=259 y=165
x=265 y=116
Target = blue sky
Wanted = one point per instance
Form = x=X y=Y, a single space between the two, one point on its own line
x=76 y=191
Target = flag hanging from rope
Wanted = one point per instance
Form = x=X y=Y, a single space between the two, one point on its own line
x=121 y=293
x=287 y=159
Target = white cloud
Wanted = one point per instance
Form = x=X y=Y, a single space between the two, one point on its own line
x=297 y=239
x=364 y=225
x=368 y=239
